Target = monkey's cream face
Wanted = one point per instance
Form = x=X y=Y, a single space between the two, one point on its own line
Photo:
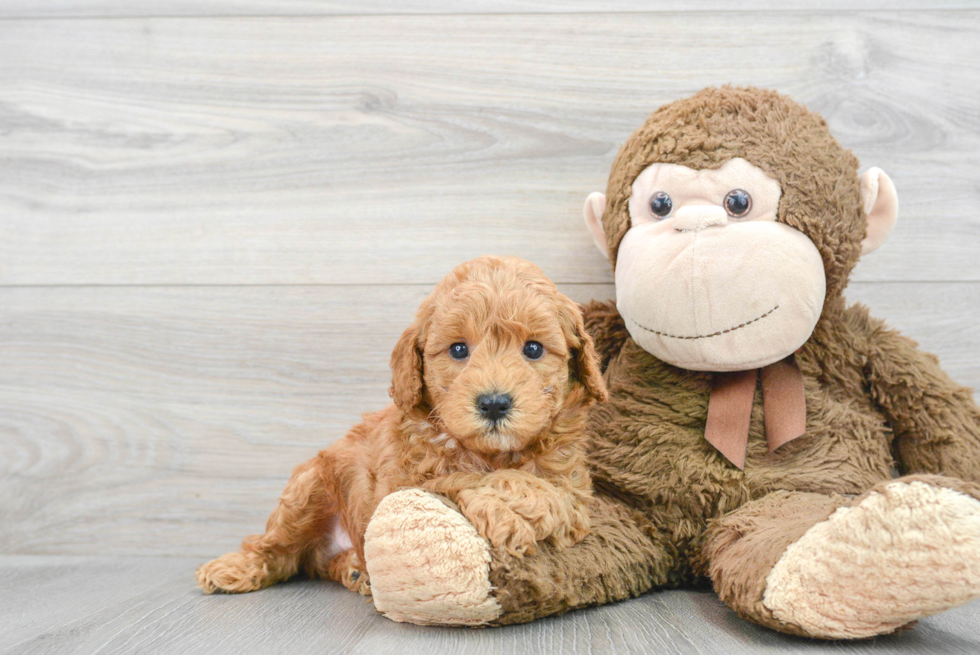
x=706 y=278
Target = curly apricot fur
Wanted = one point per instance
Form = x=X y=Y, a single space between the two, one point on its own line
x=520 y=481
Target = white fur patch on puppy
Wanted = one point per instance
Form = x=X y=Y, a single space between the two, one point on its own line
x=339 y=538
x=908 y=551
x=427 y=563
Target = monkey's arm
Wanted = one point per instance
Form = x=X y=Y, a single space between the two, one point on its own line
x=935 y=420
x=607 y=328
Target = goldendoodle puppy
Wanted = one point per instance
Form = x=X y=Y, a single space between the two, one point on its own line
x=491 y=387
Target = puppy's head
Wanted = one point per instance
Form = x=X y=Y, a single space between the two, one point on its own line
x=495 y=354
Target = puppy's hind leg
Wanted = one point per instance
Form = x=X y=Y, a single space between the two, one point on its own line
x=348 y=569
x=336 y=559
x=293 y=530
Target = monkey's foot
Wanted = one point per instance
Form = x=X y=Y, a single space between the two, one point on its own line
x=427 y=563
x=907 y=549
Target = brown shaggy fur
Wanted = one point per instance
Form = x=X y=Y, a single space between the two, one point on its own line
x=669 y=509
x=520 y=481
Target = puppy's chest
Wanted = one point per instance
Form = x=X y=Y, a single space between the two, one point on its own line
x=433 y=454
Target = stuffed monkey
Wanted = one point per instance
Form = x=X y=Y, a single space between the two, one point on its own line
x=755 y=420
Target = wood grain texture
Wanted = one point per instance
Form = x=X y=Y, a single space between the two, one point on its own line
x=165 y=421
x=382 y=150
x=227 y=8
x=128 y=605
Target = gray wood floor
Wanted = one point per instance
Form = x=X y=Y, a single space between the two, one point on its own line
x=58 y=605
x=217 y=216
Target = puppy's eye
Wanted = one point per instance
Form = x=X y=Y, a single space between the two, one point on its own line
x=459 y=351
x=533 y=350
x=738 y=203
x=661 y=204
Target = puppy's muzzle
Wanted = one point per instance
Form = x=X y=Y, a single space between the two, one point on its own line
x=494 y=406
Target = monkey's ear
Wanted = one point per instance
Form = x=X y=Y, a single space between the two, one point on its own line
x=880 y=205
x=406 y=370
x=595 y=205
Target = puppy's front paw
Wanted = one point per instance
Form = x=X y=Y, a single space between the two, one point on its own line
x=567 y=533
x=233 y=573
x=511 y=532
x=498 y=523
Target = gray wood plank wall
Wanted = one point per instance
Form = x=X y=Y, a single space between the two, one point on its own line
x=217 y=217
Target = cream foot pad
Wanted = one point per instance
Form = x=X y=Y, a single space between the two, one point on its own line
x=427 y=564
x=904 y=552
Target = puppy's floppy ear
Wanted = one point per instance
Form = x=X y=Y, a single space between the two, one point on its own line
x=586 y=368
x=406 y=369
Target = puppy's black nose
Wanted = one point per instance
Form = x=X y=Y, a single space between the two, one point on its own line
x=494 y=406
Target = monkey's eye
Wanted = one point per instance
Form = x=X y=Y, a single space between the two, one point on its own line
x=459 y=351
x=738 y=203
x=533 y=350
x=660 y=204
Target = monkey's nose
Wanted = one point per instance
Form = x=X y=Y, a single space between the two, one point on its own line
x=698 y=217
x=494 y=406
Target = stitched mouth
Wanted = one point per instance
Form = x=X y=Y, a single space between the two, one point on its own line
x=705 y=336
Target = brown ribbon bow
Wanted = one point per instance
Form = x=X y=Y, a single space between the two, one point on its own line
x=730 y=408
